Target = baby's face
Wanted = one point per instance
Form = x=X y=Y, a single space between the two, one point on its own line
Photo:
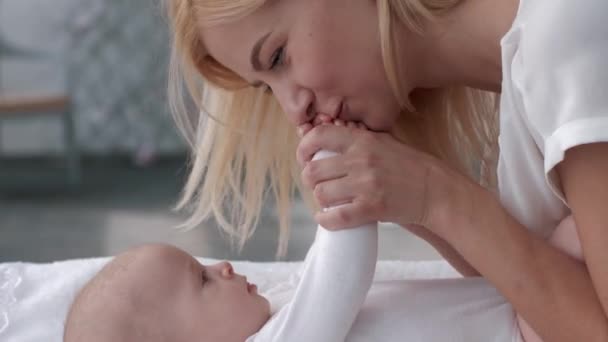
x=203 y=303
x=227 y=304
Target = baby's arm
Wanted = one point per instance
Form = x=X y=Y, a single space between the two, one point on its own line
x=336 y=278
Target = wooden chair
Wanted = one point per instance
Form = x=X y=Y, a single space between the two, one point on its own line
x=19 y=106
x=59 y=105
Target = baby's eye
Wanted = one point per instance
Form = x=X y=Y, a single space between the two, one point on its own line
x=204 y=277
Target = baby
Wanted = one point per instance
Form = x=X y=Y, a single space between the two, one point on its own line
x=161 y=293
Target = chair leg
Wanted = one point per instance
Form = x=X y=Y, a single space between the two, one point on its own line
x=72 y=151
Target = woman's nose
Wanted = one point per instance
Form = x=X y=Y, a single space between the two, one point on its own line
x=297 y=102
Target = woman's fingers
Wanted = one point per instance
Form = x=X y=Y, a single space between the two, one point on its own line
x=327 y=137
x=333 y=193
x=374 y=176
x=323 y=170
x=343 y=217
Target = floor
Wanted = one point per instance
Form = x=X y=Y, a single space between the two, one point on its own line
x=120 y=205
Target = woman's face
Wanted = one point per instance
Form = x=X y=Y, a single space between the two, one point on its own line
x=316 y=56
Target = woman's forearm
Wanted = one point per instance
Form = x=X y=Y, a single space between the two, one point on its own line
x=454 y=258
x=552 y=291
x=447 y=252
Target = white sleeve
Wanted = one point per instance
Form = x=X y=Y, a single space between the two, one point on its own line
x=565 y=79
x=335 y=280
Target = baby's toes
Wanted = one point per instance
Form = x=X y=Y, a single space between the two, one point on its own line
x=322 y=119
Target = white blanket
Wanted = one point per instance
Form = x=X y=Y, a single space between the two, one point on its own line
x=35 y=298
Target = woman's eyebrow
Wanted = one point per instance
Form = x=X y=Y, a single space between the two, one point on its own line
x=255 y=52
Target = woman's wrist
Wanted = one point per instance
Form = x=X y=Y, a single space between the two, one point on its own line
x=446 y=201
x=454 y=201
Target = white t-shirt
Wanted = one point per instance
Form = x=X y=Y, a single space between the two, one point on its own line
x=554 y=97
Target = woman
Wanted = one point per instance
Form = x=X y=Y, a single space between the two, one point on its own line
x=427 y=78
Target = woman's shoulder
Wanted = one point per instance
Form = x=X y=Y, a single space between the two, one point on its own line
x=561 y=43
x=557 y=27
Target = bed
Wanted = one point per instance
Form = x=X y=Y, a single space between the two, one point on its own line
x=34 y=298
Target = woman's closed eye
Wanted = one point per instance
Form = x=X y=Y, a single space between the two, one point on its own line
x=277 y=58
x=276 y=61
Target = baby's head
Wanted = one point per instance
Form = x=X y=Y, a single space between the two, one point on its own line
x=161 y=293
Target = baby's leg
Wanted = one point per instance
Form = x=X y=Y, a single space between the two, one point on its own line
x=565 y=238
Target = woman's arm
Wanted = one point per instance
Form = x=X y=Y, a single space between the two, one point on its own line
x=552 y=291
x=447 y=252
x=584 y=175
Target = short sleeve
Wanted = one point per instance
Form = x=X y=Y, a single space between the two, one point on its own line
x=565 y=83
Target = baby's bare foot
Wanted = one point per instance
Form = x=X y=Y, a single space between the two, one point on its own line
x=350 y=124
x=323 y=119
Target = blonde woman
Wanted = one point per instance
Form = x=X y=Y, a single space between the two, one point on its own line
x=427 y=78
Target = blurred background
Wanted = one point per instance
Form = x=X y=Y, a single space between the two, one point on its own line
x=90 y=163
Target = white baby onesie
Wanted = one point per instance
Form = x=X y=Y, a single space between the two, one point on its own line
x=337 y=275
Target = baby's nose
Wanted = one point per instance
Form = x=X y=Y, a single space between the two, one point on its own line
x=226 y=269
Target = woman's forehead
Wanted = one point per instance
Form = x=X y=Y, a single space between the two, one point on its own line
x=231 y=43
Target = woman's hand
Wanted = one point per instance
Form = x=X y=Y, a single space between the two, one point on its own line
x=374 y=177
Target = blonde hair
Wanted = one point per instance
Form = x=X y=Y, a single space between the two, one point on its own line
x=243 y=147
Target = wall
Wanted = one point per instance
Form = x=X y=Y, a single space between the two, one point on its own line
x=109 y=56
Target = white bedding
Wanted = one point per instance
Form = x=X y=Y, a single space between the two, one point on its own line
x=34 y=298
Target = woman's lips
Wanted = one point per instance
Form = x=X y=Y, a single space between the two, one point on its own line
x=251 y=288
